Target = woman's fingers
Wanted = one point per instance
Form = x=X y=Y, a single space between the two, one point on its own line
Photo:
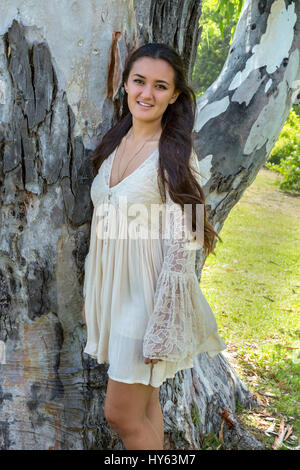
x=153 y=361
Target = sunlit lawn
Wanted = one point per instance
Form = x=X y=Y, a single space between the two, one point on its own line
x=253 y=287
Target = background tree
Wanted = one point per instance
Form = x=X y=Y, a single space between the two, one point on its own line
x=218 y=22
x=60 y=75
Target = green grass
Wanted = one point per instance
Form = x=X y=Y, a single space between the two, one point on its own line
x=253 y=287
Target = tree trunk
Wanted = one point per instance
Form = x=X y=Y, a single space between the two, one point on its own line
x=60 y=73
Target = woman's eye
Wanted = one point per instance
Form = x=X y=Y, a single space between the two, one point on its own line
x=137 y=80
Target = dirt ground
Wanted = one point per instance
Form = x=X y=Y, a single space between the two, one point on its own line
x=270 y=195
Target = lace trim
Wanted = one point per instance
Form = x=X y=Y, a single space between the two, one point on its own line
x=169 y=333
x=108 y=167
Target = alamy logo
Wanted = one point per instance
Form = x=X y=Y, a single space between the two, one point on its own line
x=164 y=221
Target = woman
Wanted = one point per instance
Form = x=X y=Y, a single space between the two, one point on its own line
x=145 y=313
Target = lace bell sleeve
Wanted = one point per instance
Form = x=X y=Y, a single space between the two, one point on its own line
x=182 y=323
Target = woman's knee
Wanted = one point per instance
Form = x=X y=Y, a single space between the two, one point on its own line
x=126 y=404
x=114 y=415
x=123 y=417
x=122 y=423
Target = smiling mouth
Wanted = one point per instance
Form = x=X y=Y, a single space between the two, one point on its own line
x=145 y=105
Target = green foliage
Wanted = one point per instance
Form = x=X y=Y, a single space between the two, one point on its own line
x=195 y=413
x=296 y=108
x=285 y=155
x=252 y=285
x=218 y=21
x=228 y=10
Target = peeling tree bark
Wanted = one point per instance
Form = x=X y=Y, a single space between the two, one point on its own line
x=172 y=21
x=51 y=394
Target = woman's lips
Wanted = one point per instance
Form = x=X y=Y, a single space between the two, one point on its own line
x=145 y=107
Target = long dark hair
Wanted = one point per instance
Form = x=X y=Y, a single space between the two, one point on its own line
x=175 y=144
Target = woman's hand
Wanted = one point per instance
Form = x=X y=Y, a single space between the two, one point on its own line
x=149 y=361
x=83 y=313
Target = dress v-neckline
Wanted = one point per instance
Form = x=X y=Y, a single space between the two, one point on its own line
x=130 y=174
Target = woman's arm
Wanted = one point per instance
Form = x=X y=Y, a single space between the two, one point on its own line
x=170 y=325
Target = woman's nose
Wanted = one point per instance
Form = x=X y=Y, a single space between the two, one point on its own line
x=146 y=92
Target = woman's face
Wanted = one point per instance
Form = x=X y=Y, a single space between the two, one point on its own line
x=150 y=82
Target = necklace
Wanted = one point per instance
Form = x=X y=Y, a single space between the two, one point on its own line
x=148 y=140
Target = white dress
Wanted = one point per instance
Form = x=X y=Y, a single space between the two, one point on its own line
x=142 y=296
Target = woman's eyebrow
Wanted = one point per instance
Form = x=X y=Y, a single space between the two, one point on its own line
x=163 y=81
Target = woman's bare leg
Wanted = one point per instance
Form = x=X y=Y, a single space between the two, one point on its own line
x=125 y=410
x=155 y=416
x=141 y=437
